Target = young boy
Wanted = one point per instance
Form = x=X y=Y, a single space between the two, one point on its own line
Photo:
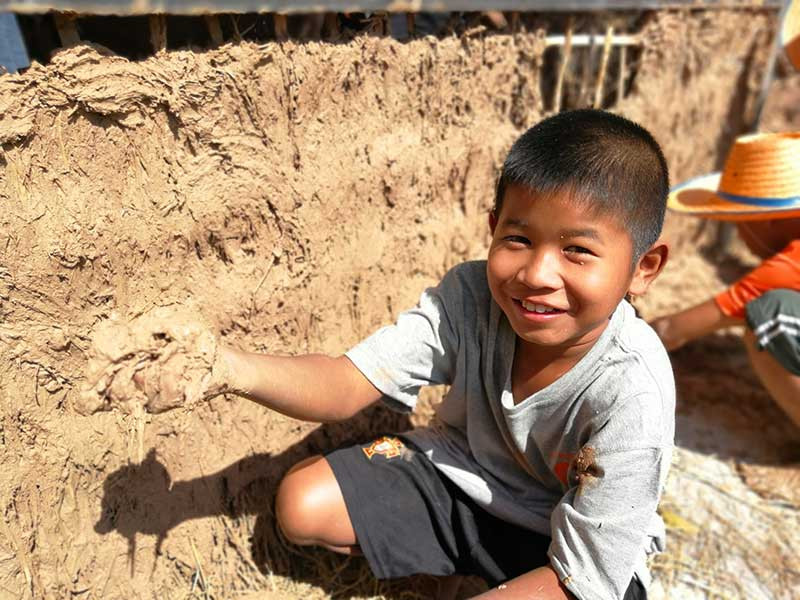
x=543 y=469
x=759 y=188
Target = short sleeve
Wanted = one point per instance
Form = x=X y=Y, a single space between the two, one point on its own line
x=602 y=525
x=419 y=349
x=779 y=271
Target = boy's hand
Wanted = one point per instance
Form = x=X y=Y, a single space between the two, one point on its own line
x=164 y=359
x=680 y=328
x=666 y=330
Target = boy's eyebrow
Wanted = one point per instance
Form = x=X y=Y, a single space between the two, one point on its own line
x=514 y=222
x=584 y=233
x=588 y=232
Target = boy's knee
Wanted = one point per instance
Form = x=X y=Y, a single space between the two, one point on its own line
x=773 y=320
x=297 y=505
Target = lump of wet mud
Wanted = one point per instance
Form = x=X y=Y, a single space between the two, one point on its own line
x=160 y=360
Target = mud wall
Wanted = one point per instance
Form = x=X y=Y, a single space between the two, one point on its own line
x=299 y=196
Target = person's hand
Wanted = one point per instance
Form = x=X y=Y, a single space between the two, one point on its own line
x=164 y=359
x=667 y=330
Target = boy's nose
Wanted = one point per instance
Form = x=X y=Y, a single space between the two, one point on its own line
x=540 y=270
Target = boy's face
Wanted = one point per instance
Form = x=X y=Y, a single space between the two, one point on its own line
x=555 y=269
x=765 y=238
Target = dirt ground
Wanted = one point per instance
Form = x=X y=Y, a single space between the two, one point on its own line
x=296 y=197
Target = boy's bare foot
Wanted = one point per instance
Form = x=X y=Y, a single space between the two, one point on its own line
x=161 y=360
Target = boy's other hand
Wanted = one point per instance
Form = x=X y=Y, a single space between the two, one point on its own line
x=667 y=331
x=680 y=328
x=164 y=359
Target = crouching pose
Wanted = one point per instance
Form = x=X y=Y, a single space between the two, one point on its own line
x=759 y=189
x=543 y=467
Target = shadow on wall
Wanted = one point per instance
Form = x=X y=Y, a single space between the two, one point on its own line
x=142 y=499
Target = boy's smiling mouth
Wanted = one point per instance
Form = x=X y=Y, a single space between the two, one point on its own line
x=536 y=309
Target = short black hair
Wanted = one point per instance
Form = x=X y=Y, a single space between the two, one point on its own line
x=607 y=161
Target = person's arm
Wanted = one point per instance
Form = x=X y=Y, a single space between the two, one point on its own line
x=679 y=328
x=311 y=387
x=539 y=584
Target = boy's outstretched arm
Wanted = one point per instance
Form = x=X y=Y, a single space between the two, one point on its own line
x=539 y=584
x=677 y=329
x=311 y=387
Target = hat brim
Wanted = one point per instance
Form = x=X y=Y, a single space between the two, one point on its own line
x=699 y=197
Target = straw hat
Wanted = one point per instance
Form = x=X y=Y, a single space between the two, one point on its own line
x=761 y=180
x=790 y=31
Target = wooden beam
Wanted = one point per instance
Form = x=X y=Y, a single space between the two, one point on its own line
x=281 y=24
x=411 y=25
x=67 y=30
x=330 y=26
x=158 y=32
x=214 y=29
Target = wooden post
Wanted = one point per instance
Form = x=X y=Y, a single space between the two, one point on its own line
x=566 y=50
x=587 y=68
x=214 y=29
x=67 y=31
x=237 y=36
x=411 y=24
x=158 y=32
x=601 y=73
x=330 y=26
x=623 y=75
x=281 y=24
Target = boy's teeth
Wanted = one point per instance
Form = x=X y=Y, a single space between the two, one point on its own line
x=539 y=308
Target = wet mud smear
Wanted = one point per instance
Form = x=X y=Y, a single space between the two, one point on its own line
x=586 y=469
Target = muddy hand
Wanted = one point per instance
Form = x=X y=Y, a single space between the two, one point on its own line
x=161 y=360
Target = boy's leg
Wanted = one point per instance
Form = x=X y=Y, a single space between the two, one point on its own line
x=310 y=508
x=773 y=345
x=782 y=385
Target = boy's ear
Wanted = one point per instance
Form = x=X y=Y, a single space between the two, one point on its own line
x=648 y=267
x=492 y=221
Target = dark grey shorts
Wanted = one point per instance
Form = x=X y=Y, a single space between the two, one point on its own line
x=774 y=319
x=409 y=518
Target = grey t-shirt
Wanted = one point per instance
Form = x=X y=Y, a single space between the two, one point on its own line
x=583 y=460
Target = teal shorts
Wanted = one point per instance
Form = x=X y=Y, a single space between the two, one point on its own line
x=774 y=319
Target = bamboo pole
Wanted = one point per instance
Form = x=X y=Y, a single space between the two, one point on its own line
x=566 y=51
x=330 y=25
x=237 y=35
x=281 y=25
x=411 y=24
x=601 y=73
x=214 y=29
x=158 y=32
x=623 y=75
x=67 y=30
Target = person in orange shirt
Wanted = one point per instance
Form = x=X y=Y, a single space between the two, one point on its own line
x=759 y=189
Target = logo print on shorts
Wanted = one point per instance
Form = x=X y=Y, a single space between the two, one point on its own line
x=389 y=447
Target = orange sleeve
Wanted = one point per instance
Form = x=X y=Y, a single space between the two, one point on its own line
x=781 y=270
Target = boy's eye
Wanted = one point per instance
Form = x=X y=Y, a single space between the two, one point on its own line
x=516 y=239
x=577 y=250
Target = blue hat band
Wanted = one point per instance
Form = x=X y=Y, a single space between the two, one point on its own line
x=755 y=201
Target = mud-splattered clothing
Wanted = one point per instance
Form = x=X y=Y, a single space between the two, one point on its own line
x=779 y=271
x=519 y=461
